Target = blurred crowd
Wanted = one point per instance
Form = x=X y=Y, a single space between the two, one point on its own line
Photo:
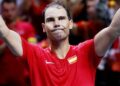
x=89 y=17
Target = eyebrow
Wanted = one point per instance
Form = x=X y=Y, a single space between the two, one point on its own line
x=49 y=19
x=62 y=17
x=52 y=18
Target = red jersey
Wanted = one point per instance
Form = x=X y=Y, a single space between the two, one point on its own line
x=38 y=9
x=25 y=29
x=11 y=71
x=89 y=28
x=77 y=69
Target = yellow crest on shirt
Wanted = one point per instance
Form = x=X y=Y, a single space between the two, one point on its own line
x=72 y=59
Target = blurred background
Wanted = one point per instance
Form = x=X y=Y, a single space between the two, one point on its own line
x=89 y=17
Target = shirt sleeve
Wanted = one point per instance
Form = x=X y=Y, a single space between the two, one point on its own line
x=25 y=47
x=88 y=49
x=30 y=51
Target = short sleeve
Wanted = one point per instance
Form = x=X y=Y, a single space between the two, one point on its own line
x=88 y=49
x=31 y=51
x=25 y=47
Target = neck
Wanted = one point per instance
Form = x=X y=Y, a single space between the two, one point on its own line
x=60 y=48
x=11 y=22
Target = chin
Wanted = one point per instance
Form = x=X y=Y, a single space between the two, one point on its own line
x=60 y=38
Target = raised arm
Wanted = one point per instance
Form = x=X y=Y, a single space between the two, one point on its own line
x=104 y=39
x=11 y=38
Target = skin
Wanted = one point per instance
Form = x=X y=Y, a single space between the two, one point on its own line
x=57 y=27
x=91 y=7
x=102 y=40
x=9 y=12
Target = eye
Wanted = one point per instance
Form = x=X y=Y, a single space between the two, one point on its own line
x=62 y=17
x=50 y=19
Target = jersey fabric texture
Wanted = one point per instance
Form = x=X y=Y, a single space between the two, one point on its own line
x=77 y=69
x=12 y=72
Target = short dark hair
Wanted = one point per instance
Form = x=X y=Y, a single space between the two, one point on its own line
x=8 y=1
x=59 y=3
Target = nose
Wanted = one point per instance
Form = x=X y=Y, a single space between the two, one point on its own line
x=56 y=23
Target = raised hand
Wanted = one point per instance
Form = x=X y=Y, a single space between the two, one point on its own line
x=4 y=31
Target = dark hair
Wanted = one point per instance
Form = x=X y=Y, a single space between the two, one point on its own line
x=8 y=1
x=57 y=3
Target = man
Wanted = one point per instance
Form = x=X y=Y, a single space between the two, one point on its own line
x=61 y=64
x=12 y=69
x=9 y=11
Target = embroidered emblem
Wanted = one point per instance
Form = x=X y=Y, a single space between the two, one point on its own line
x=72 y=59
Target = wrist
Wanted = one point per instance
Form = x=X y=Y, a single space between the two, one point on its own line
x=113 y=32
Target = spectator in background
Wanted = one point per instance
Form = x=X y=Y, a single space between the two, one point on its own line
x=13 y=73
x=87 y=27
x=79 y=13
x=78 y=9
x=62 y=63
x=32 y=12
x=10 y=15
x=91 y=7
x=98 y=16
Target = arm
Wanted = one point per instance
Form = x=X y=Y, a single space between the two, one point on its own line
x=104 y=39
x=11 y=38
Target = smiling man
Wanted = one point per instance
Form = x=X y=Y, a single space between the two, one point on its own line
x=62 y=64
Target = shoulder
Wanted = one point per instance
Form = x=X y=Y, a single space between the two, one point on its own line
x=86 y=43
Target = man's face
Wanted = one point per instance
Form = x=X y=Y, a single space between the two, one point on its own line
x=57 y=23
x=9 y=12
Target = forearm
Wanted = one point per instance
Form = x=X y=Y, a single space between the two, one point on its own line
x=11 y=38
x=104 y=39
x=13 y=41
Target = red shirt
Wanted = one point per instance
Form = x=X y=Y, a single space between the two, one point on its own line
x=89 y=28
x=25 y=29
x=11 y=70
x=39 y=9
x=77 y=69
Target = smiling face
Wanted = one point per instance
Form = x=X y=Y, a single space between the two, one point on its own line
x=57 y=23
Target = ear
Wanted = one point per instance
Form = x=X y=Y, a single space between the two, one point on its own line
x=43 y=26
x=70 y=24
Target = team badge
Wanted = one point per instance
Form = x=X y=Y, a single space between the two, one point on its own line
x=72 y=59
